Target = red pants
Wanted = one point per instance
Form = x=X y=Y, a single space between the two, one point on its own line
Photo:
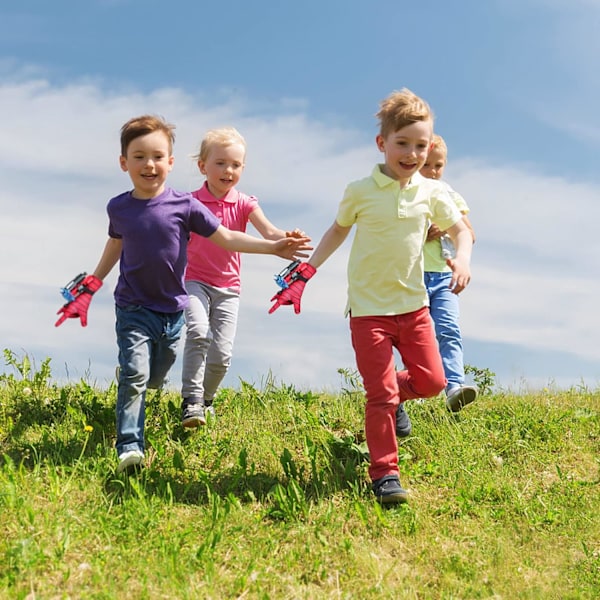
x=373 y=340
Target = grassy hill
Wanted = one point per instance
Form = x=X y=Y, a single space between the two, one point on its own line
x=272 y=499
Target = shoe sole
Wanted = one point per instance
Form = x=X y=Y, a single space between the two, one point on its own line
x=393 y=499
x=460 y=400
x=193 y=422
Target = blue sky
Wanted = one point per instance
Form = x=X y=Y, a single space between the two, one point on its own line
x=515 y=91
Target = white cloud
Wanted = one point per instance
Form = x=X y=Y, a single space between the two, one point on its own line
x=58 y=155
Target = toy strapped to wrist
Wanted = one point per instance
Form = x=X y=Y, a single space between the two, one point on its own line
x=83 y=283
x=78 y=294
x=284 y=277
x=292 y=281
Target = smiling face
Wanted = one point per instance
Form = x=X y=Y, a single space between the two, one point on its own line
x=148 y=162
x=435 y=164
x=406 y=150
x=223 y=167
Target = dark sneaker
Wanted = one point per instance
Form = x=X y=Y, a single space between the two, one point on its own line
x=193 y=415
x=388 y=490
x=459 y=397
x=131 y=458
x=403 y=425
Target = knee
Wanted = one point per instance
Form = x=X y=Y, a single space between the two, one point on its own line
x=432 y=386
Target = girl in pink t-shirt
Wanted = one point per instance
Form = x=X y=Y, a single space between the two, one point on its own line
x=212 y=277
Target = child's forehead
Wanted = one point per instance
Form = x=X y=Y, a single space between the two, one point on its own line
x=418 y=129
x=227 y=150
x=153 y=140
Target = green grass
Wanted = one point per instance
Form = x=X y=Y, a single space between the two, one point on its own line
x=272 y=500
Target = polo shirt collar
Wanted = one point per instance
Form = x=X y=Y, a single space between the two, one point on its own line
x=382 y=180
x=205 y=195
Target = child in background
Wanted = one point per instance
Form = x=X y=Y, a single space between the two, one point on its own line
x=148 y=233
x=212 y=277
x=443 y=304
x=387 y=299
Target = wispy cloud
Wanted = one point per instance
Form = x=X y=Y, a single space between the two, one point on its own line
x=58 y=156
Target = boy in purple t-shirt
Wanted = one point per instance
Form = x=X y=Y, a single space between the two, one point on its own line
x=149 y=228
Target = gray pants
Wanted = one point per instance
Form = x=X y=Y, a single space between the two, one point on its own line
x=211 y=319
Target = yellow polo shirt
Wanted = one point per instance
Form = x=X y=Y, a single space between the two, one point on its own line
x=385 y=268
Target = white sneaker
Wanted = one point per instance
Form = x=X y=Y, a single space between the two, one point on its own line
x=128 y=459
x=459 y=397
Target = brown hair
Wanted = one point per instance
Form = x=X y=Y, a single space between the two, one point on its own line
x=139 y=126
x=402 y=108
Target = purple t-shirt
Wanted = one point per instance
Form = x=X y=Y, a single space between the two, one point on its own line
x=155 y=236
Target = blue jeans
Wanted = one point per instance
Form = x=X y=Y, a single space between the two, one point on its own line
x=147 y=342
x=444 y=309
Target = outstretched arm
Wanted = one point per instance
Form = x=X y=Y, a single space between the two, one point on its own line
x=332 y=239
x=298 y=275
x=237 y=241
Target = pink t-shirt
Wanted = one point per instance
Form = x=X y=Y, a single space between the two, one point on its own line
x=208 y=262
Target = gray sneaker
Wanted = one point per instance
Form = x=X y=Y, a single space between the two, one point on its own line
x=459 y=397
x=209 y=412
x=193 y=414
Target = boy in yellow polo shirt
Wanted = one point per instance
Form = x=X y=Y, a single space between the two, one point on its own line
x=387 y=299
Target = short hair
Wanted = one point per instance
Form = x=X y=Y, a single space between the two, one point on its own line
x=139 y=126
x=438 y=143
x=402 y=108
x=222 y=136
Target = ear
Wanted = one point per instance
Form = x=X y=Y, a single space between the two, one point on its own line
x=380 y=142
x=123 y=163
x=431 y=146
x=171 y=161
x=202 y=167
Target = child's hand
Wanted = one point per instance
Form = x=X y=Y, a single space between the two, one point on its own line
x=293 y=293
x=292 y=247
x=434 y=233
x=461 y=274
x=297 y=233
x=78 y=307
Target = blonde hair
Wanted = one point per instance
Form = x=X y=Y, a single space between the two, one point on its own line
x=139 y=126
x=438 y=143
x=402 y=108
x=223 y=136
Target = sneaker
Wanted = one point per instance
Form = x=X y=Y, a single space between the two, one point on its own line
x=459 y=397
x=388 y=490
x=209 y=412
x=193 y=415
x=403 y=424
x=131 y=458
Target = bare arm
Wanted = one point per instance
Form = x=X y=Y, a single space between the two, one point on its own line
x=460 y=264
x=264 y=226
x=268 y=230
x=332 y=239
x=236 y=241
x=110 y=257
